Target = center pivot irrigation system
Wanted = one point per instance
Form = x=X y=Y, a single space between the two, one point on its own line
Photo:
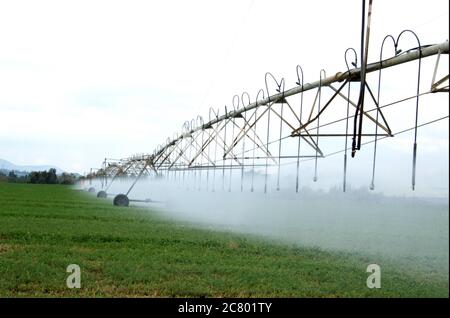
x=246 y=140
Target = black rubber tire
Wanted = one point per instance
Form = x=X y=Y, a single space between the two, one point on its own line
x=101 y=194
x=91 y=189
x=121 y=200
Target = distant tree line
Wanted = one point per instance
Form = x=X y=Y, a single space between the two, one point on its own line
x=39 y=177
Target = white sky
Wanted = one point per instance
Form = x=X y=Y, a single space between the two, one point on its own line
x=81 y=80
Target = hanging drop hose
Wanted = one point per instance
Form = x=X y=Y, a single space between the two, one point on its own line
x=300 y=83
x=268 y=120
x=201 y=149
x=372 y=183
x=215 y=157
x=224 y=150
x=254 y=138
x=354 y=63
x=232 y=141
x=322 y=71
x=253 y=159
x=267 y=146
x=243 y=141
x=357 y=126
x=413 y=181
x=280 y=139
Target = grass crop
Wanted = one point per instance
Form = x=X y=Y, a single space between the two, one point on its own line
x=136 y=252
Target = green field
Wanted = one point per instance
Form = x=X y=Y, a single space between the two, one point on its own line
x=136 y=252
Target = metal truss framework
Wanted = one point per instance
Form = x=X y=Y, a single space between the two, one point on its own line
x=250 y=135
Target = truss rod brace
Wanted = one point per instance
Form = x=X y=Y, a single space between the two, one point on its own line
x=338 y=77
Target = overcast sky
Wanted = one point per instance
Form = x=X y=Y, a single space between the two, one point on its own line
x=85 y=80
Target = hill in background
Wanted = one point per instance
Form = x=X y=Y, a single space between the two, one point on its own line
x=9 y=166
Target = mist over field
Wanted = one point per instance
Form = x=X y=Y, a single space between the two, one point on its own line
x=410 y=231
